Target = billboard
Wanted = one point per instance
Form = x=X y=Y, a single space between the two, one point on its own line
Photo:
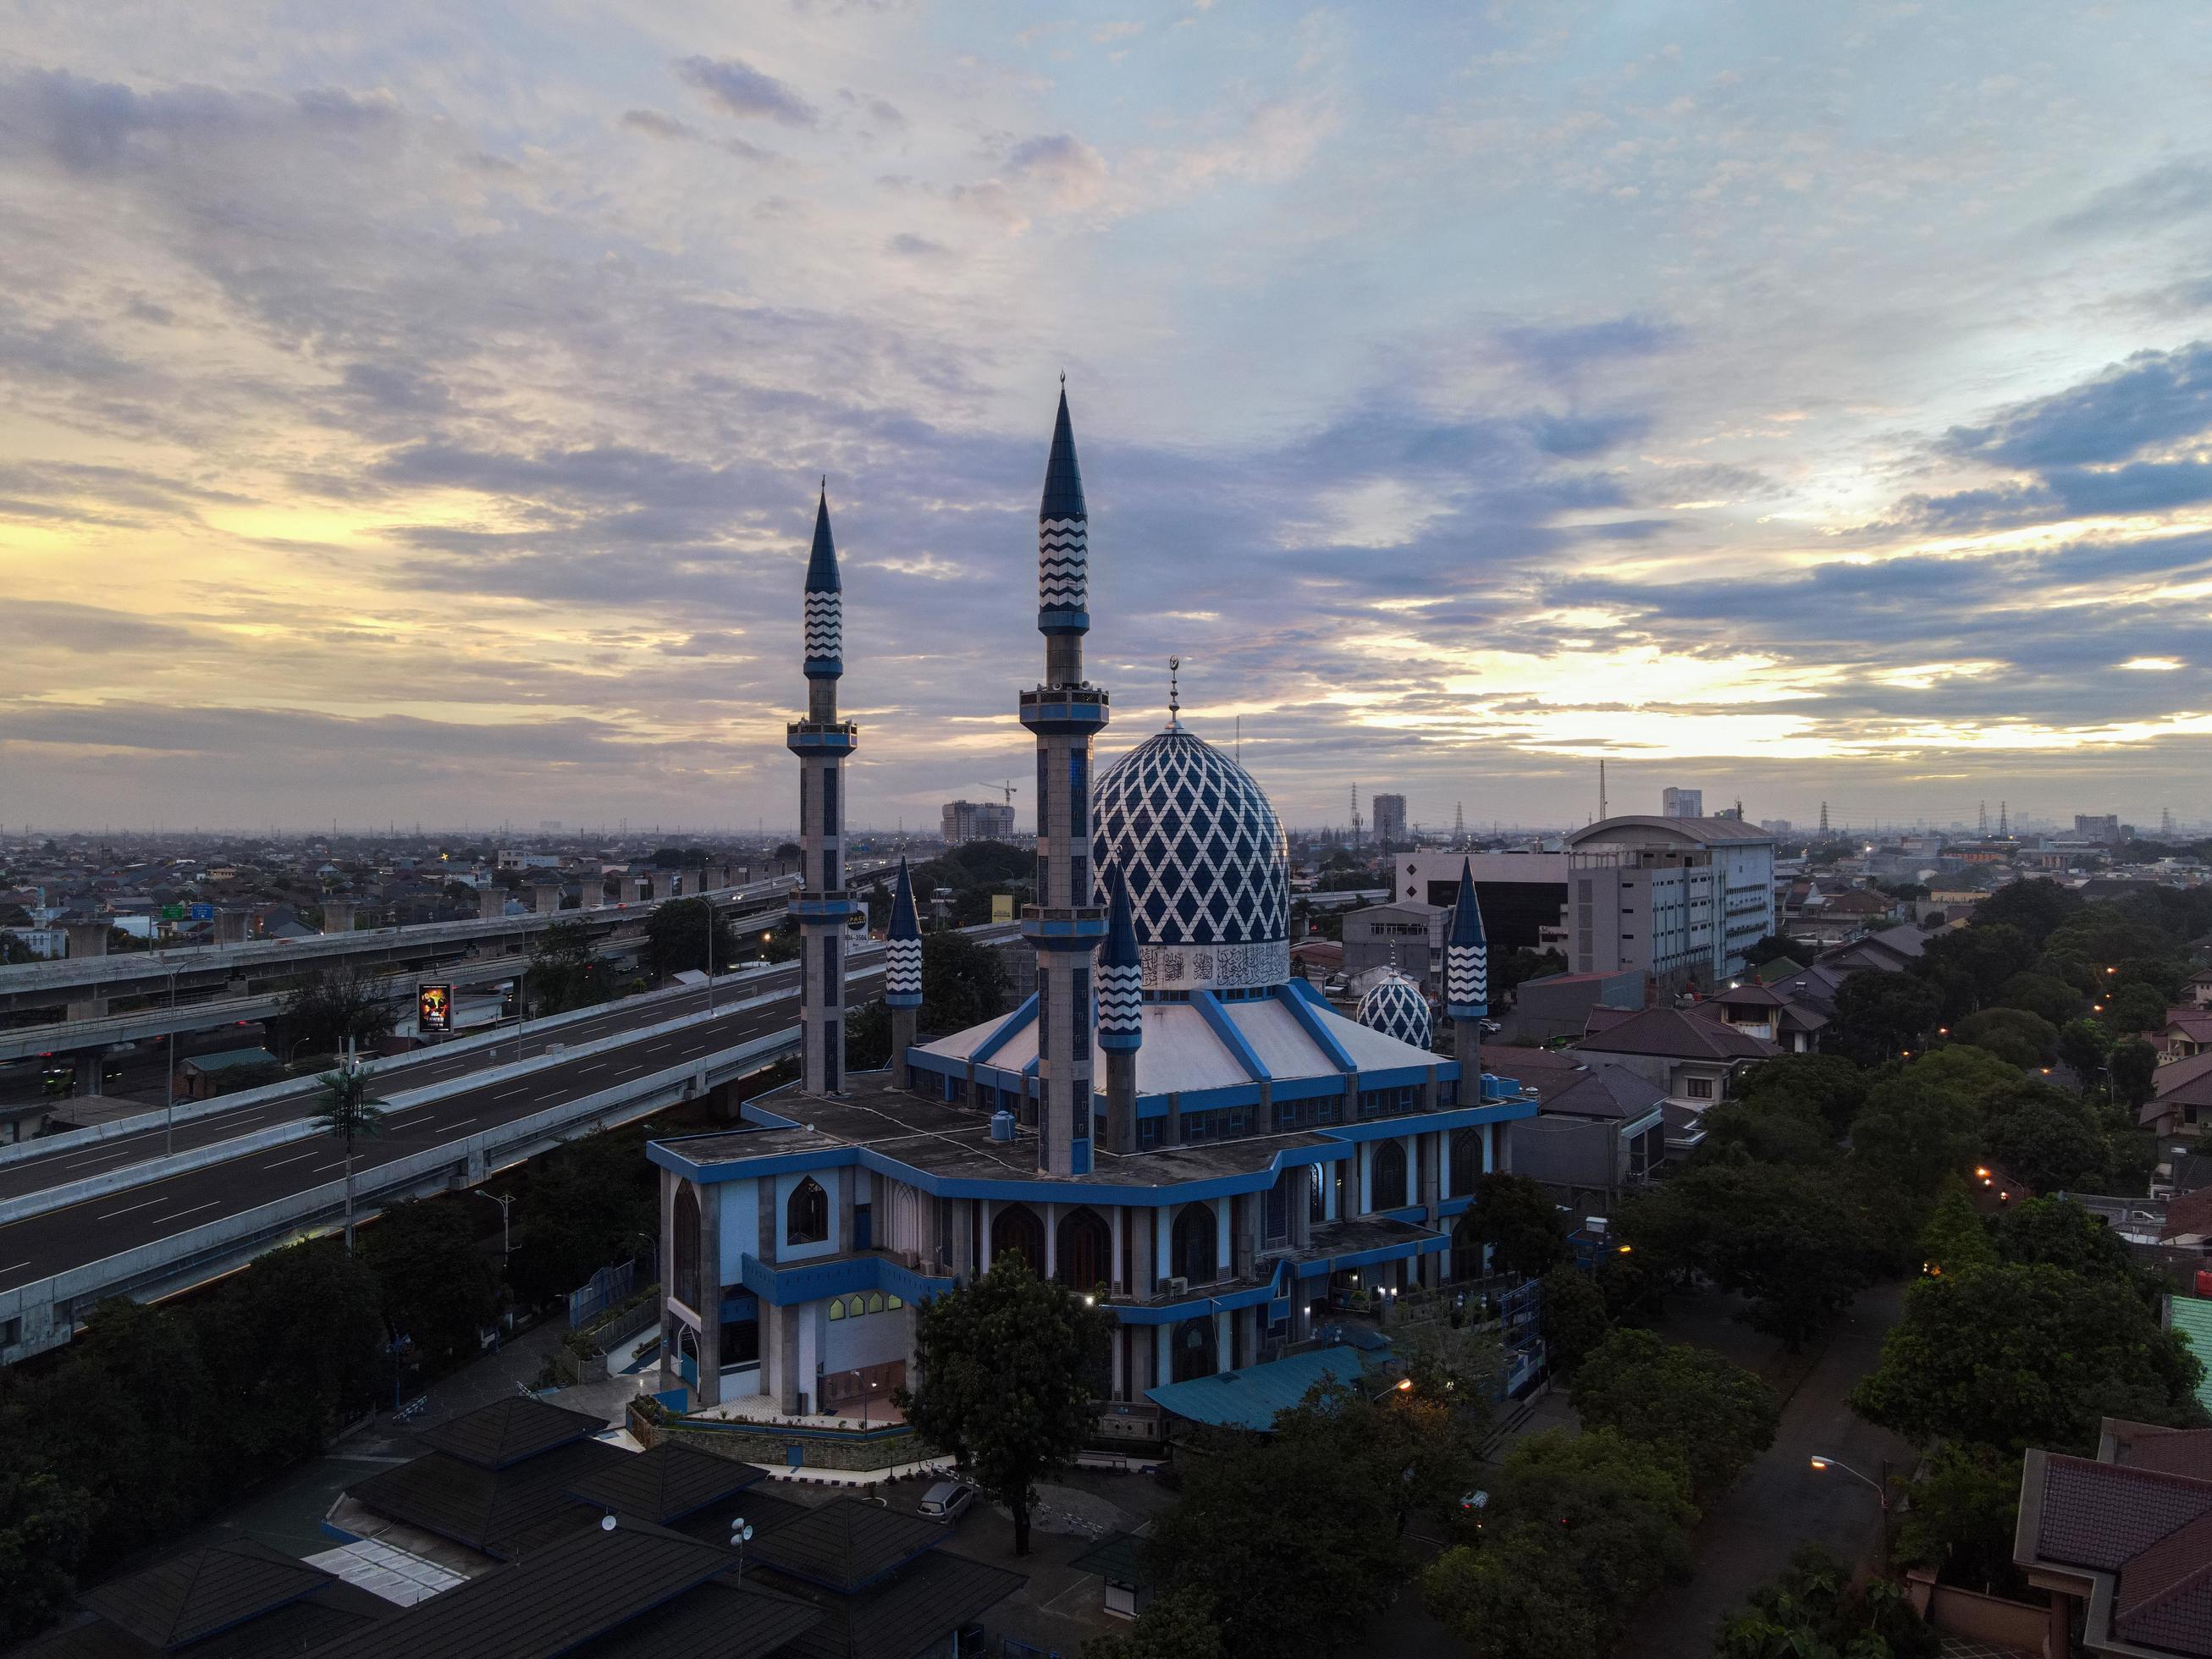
x=1002 y=906
x=202 y=912
x=433 y=1009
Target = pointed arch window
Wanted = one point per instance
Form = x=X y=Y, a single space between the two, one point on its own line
x=806 y=1215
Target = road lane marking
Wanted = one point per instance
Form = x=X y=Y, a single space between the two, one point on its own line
x=281 y=1161
x=10 y=1270
x=195 y=1209
x=148 y=1204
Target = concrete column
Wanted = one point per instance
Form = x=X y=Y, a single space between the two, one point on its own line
x=902 y=1036
x=230 y=927
x=1052 y=1241
x=1443 y=1163
x=1120 y=1101
x=771 y=1220
x=591 y=891
x=86 y=939
x=491 y=903
x=1144 y=1265
x=338 y=915
x=1115 y=1218
x=848 y=1179
x=640 y=889
x=88 y=1067
x=1225 y=1240
x=710 y=1294
x=1162 y=1354
x=1363 y=1193
x=545 y=899
x=1225 y=1358
x=1163 y=1245
x=1328 y=1184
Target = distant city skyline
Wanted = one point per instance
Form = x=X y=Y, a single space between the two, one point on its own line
x=419 y=414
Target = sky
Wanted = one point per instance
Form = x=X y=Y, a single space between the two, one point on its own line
x=415 y=412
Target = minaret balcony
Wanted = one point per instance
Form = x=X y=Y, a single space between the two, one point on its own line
x=1071 y=926
x=831 y=738
x=1057 y=709
x=839 y=906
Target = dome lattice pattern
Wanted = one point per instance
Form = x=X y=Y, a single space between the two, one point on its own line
x=1206 y=862
x=1394 y=1006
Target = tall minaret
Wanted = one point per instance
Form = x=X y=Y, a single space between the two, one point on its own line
x=1466 y=976
x=903 y=973
x=821 y=741
x=1065 y=924
x=1120 y=1019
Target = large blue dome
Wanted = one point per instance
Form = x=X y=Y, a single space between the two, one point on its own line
x=1206 y=862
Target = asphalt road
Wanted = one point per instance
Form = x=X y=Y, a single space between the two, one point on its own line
x=419 y=1070
x=58 y=1240
x=1781 y=1503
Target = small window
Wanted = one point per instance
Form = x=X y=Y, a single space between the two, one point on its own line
x=855 y=1307
x=875 y=1301
x=837 y=1309
x=894 y=1303
x=1697 y=1088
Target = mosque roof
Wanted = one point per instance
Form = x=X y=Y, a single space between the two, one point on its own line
x=1205 y=861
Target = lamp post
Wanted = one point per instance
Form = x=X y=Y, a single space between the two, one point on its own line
x=505 y=1202
x=1822 y=1463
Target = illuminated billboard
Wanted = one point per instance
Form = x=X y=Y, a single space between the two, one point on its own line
x=433 y=1009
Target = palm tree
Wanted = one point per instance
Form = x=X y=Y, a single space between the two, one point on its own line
x=349 y=1110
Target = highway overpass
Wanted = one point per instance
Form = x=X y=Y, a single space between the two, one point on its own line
x=146 y=1208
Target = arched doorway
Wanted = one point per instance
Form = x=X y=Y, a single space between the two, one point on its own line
x=1196 y=1349
x=1386 y=1175
x=1195 y=1256
x=1016 y=1228
x=1466 y=1162
x=1085 y=1251
x=685 y=1220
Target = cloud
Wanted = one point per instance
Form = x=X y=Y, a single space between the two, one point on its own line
x=743 y=90
x=1071 y=170
x=2151 y=399
x=2158 y=199
x=654 y=124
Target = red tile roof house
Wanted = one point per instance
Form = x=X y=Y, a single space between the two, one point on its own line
x=2123 y=1540
x=1692 y=1059
x=2181 y=1095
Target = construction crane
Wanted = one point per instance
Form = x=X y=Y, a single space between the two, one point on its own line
x=1005 y=788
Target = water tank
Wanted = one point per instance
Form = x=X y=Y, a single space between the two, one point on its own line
x=1002 y=1126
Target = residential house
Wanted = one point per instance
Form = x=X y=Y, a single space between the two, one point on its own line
x=2181 y=1095
x=1769 y=1012
x=1890 y=951
x=1694 y=1060
x=1408 y=935
x=1602 y=1130
x=2123 y=1541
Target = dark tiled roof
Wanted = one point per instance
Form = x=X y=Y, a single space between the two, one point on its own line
x=88 y=1638
x=1606 y=1091
x=1119 y=1557
x=757 y=1505
x=584 y=1587
x=1670 y=1034
x=911 y=1614
x=665 y=1484
x=847 y=1544
x=726 y=1618
x=2101 y=1515
x=192 y=1596
x=505 y=1512
x=507 y=1431
x=2174 y=1451
x=2163 y=1598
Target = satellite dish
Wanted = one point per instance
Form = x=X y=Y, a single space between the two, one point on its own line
x=741 y=1533
x=606 y=1523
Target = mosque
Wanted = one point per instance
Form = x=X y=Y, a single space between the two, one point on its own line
x=1172 y=1123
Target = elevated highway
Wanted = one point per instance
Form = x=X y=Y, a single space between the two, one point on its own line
x=143 y=1209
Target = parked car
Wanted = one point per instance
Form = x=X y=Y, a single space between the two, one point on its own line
x=947 y=1501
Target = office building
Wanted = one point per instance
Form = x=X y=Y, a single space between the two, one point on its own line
x=1389 y=821
x=964 y=821
x=1683 y=803
x=1680 y=899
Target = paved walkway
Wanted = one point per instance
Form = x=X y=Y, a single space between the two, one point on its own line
x=1781 y=1503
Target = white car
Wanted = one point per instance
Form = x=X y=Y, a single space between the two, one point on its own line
x=947 y=1501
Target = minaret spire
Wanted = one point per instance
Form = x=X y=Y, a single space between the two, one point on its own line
x=1467 y=974
x=902 y=972
x=822 y=742
x=1121 y=1018
x=1066 y=923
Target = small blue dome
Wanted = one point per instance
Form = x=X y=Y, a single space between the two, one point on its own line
x=1394 y=1006
x=1206 y=862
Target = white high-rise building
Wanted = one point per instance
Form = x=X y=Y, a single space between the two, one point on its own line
x=1683 y=803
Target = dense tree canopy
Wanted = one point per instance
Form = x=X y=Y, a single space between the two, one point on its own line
x=1714 y=1413
x=962 y=983
x=1518 y=1220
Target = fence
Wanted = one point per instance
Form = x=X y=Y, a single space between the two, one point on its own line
x=609 y=1286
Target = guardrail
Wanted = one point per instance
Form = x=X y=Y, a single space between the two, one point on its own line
x=165 y=1258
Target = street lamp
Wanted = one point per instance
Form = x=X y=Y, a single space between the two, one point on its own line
x=505 y=1202
x=740 y=1536
x=1822 y=1463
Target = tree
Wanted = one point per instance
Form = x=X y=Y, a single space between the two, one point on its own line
x=1180 y=1624
x=1772 y=948
x=436 y=1286
x=1772 y=1128
x=1574 y=1317
x=1813 y=1612
x=868 y=1036
x=2134 y=1008
x=962 y=983
x=1829 y=1084
x=347 y=1109
x=2015 y=1357
x=2036 y=908
x=566 y=972
x=676 y=939
x=2086 y=1047
x=293 y=1347
x=1960 y=1519
x=585 y=1205
x=2045 y=1138
x=2058 y=1232
x=2133 y=1064
x=1717 y=1415
x=1007 y=1362
x=1517 y=1219
x=2048 y=999
x=1881 y=1015
x=1520 y=965
x=2013 y=1035
x=1783 y=1237
x=1461 y=1363
x=1954 y=1239
x=334 y=1009
x=1581 y=1530
x=44 y=1524
x=1298 y=1543
x=1974 y=963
